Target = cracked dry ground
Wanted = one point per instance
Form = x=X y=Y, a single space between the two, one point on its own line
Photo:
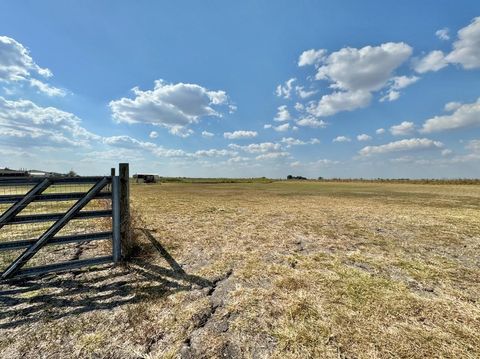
x=277 y=270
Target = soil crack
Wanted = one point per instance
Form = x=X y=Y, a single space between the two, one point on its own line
x=204 y=318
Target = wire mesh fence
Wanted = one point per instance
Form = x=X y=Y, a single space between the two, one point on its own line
x=39 y=215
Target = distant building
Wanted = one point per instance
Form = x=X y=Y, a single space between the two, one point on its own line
x=7 y=172
x=144 y=178
x=38 y=173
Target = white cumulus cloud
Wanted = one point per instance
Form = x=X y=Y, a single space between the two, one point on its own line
x=464 y=115
x=364 y=137
x=16 y=65
x=24 y=123
x=311 y=57
x=311 y=122
x=285 y=90
x=466 y=49
x=433 y=61
x=174 y=106
x=341 y=139
x=236 y=135
x=412 y=144
x=340 y=101
x=442 y=34
x=282 y=114
x=403 y=129
x=257 y=147
x=282 y=128
x=207 y=134
x=290 y=141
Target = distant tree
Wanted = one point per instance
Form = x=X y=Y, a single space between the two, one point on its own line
x=72 y=173
x=320 y=178
x=289 y=177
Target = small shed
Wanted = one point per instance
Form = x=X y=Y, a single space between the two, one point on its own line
x=144 y=178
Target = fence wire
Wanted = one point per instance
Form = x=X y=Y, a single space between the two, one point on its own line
x=31 y=231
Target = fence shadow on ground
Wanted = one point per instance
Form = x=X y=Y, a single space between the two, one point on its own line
x=53 y=297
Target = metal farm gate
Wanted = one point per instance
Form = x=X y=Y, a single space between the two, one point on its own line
x=36 y=213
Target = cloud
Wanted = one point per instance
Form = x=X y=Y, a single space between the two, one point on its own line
x=433 y=61
x=282 y=128
x=391 y=96
x=299 y=107
x=354 y=74
x=340 y=101
x=364 y=137
x=311 y=122
x=464 y=115
x=466 y=49
x=324 y=162
x=446 y=152
x=257 y=147
x=207 y=134
x=272 y=155
x=236 y=135
x=181 y=131
x=311 y=57
x=47 y=89
x=285 y=90
x=398 y=83
x=302 y=93
x=290 y=141
x=129 y=143
x=215 y=153
x=452 y=106
x=365 y=69
x=24 y=124
x=442 y=34
x=341 y=139
x=412 y=144
x=16 y=65
x=403 y=129
x=174 y=106
x=125 y=141
x=282 y=114
x=153 y=134
x=380 y=131
x=267 y=126
x=473 y=145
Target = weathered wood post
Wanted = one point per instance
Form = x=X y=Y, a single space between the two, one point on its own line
x=125 y=230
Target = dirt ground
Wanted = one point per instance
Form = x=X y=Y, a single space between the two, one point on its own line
x=268 y=270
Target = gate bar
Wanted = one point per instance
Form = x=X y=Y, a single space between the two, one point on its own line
x=88 y=237
x=49 y=217
x=56 y=267
x=52 y=197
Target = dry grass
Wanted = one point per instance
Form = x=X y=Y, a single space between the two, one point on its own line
x=271 y=270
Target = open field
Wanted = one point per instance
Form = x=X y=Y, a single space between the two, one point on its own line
x=270 y=270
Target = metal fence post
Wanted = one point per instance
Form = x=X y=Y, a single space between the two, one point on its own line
x=116 y=238
x=125 y=230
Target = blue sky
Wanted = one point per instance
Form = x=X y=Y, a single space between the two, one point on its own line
x=242 y=89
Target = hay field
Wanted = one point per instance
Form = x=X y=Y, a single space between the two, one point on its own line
x=270 y=270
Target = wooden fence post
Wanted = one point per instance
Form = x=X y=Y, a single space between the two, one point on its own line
x=125 y=230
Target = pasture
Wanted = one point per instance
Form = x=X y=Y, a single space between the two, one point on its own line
x=269 y=270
